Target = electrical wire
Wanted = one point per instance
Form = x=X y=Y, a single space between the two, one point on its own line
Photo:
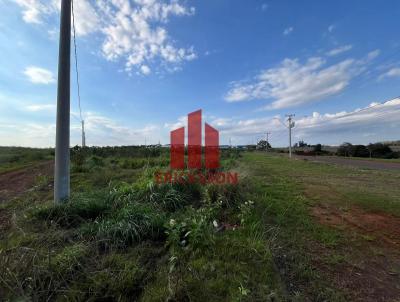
x=351 y=114
x=76 y=62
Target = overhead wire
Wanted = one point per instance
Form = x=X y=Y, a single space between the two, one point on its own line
x=352 y=113
x=76 y=63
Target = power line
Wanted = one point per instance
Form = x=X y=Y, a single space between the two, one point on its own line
x=351 y=113
x=77 y=78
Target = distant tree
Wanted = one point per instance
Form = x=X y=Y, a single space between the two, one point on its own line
x=360 y=151
x=263 y=144
x=302 y=144
x=380 y=150
x=345 y=149
x=318 y=148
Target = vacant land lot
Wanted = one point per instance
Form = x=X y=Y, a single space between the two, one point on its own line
x=358 y=251
x=358 y=162
x=292 y=230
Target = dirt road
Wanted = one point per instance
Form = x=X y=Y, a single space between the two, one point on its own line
x=15 y=183
x=364 y=164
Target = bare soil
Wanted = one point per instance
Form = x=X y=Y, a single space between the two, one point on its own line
x=15 y=183
x=371 y=269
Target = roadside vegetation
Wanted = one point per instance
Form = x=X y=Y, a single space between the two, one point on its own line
x=123 y=237
x=12 y=158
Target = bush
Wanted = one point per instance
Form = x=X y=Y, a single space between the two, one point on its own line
x=381 y=151
x=77 y=210
x=130 y=224
x=169 y=196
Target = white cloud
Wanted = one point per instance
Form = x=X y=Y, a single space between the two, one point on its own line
x=339 y=50
x=331 y=128
x=132 y=31
x=393 y=72
x=100 y=131
x=40 y=107
x=145 y=69
x=36 y=11
x=137 y=33
x=33 y=11
x=264 y=6
x=39 y=75
x=373 y=54
x=292 y=83
x=375 y=122
x=331 y=28
x=87 y=20
x=288 y=31
x=380 y=119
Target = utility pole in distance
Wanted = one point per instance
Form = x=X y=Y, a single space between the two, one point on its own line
x=61 y=171
x=83 y=135
x=268 y=133
x=291 y=125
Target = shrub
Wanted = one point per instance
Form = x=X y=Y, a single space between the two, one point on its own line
x=169 y=196
x=228 y=195
x=130 y=224
x=77 y=210
x=380 y=150
x=69 y=259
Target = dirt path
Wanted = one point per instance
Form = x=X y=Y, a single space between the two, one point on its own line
x=15 y=183
x=368 y=164
x=371 y=269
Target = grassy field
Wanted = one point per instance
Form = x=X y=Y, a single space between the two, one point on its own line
x=122 y=237
x=383 y=160
x=12 y=158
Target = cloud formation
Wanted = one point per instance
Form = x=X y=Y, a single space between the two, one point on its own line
x=293 y=83
x=391 y=73
x=40 y=107
x=38 y=75
x=132 y=31
x=375 y=122
x=288 y=31
x=339 y=50
x=34 y=11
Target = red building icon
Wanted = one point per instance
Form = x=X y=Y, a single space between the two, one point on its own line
x=211 y=148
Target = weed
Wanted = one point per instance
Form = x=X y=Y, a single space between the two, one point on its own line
x=130 y=224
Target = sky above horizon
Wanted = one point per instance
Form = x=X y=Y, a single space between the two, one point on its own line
x=145 y=64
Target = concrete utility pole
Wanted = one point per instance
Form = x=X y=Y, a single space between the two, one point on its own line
x=291 y=125
x=83 y=135
x=268 y=133
x=61 y=173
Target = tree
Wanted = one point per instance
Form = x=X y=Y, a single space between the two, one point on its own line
x=302 y=144
x=318 y=148
x=380 y=150
x=360 y=151
x=263 y=145
x=345 y=149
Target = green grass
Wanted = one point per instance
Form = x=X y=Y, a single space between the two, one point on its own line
x=375 y=190
x=122 y=237
x=13 y=158
x=294 y=233
x=383 y=160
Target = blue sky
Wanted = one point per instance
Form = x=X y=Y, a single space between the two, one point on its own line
x=145 y=64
